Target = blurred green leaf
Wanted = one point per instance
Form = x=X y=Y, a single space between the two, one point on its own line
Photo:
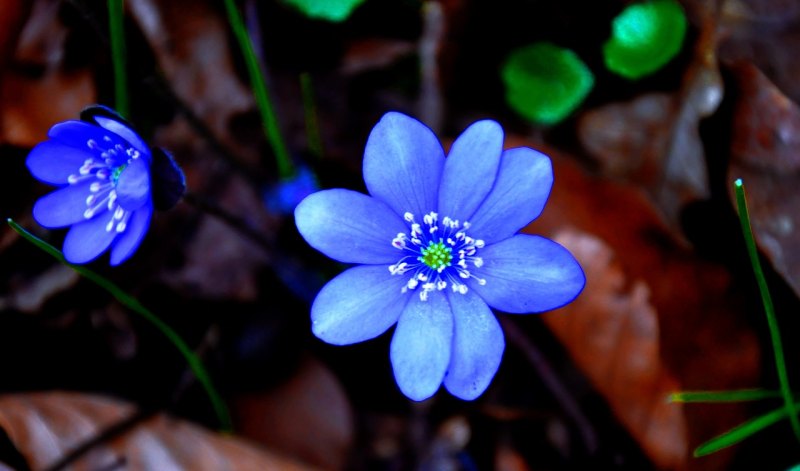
x=644 y=38
x=545 y=83
x=331 y=10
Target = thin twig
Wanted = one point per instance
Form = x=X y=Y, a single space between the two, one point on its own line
x=235 y=222
x=560 y=392
x=430 y=105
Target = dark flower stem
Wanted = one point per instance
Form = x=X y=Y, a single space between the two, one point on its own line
x=560 y=392
x=311 y=118
x=193 y=360
x=769 y=309
x=269 y=120
x=118 y=55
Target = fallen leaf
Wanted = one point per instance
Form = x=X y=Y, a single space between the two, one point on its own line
x=654 y=141
x=221 y=263
x=654 y=316
x=47 y=425
x=190 y=40
x=765 y=153
x=765 y=33
x=33 y=102
x=309 y=417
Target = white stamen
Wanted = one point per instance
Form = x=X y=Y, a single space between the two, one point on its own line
x=416 y=244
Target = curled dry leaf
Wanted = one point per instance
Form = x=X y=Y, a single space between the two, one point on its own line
x=191 y=43
x=765 y=153
x=654 y=317
x=764 y=32
x=46 y=426
x=309 y=417
x=33 y=102
x=221 y=263
x=30 y=295
x=654 y=141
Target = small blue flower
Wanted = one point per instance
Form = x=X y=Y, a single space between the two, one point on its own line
x=104 y=170
x=437 y=246
x=286 y=194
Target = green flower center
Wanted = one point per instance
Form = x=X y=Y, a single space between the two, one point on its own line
x=116 y=173
x=436 y=255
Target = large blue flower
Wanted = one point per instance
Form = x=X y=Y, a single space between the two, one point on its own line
x=104 y=170
x=437 y=246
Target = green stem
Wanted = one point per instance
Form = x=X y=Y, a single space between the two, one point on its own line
x=775 y=334
x=268 y=119
x=193 y=360
x=118 y=56
x=742 y=431
x=310 y=112
x=738 y=395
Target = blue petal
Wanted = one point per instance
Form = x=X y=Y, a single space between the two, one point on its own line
x=78 y=133
x=403 y=163
x=133 y=186
x=528 y=274
x=53 y=162
x=470 y=169
x=478 y=346
x=420 y=349
x=517 y=198
x=349 y=226
x=124 y=132
x=63 y=207
x=127 y=243
x=359 y=304
x=87 y=240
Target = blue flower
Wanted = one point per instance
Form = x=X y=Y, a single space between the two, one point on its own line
x=104 y=170
x=286 y=194
x=437 y=247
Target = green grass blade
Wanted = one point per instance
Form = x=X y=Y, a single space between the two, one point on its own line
x=268 y=119
x=740 y=432
x=193 y=360
x=118 y=56
x=310 y=112
x=739 y=395
x=766 y=298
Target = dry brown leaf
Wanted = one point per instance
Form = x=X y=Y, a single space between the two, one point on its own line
x=765 y=153
x=15 y=12
x=654 y=317
x=29 y=295
x=764 y=32
x=619 y=331
x=654 y=140
x=191 y=43
x=46 y=426
x=221 y=263
x=309 y=417
x=32 y=104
